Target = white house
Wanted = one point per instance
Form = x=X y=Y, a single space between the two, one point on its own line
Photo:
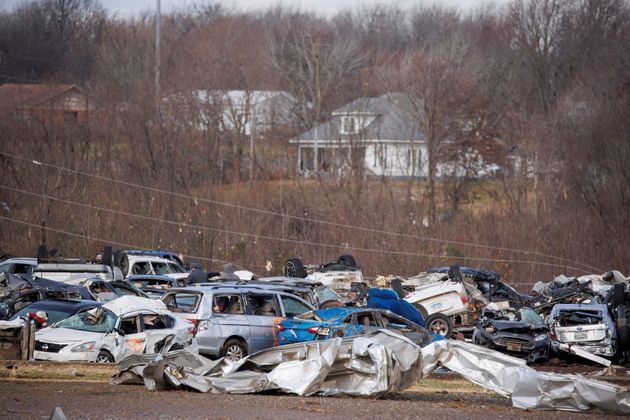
x=376 y=133
x=245 y=111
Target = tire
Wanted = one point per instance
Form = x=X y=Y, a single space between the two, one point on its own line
x=423 y=311
x=104 y=357
x=234 y=349
x=347 y=260
x=440 y=324
x=294 y=268
x=123 y=263
x=330 y=303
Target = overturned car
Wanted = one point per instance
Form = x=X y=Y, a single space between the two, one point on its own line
x=517 y=332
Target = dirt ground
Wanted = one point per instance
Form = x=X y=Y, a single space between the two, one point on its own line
x=36 y=399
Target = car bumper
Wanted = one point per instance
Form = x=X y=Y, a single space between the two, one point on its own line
x=65 y=356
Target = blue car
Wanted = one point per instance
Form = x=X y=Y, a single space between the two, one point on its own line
x=323 y=324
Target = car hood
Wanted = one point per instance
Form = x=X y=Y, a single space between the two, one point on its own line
x=66 y=335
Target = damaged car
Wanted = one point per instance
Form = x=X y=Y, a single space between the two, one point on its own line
x=324 y=324
x=127 y=325
x=520 y=332
x=233 y=321
x=337 y=275
x=583 y=330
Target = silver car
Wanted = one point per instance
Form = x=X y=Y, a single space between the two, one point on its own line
x=234 y=321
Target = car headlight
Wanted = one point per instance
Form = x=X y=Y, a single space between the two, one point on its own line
x=540 y=337
x=89 y=346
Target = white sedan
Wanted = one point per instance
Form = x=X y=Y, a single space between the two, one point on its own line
x=107 y=334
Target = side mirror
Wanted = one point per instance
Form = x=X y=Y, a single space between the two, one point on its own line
x=119 y=331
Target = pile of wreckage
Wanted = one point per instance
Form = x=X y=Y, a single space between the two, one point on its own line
x=319 y=329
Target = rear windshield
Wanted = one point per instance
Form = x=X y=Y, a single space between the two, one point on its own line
x=582 y=317
x=182 y=302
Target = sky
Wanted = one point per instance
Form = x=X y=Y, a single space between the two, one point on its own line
x=328 y=7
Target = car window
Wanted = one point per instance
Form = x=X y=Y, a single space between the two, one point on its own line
x=5 y=268
x=367 y=320
x=160 y=268
x=293 y=307
x=483 y=286
x=176 y=268
x=140 y=268
x=25 y=300
x=264 y=305
x=53 y=315
x=157 y=322
x=530 y=316
x=182 y=302
x=102 y=291
x=129 y=325
x=22 y=269
x=95 y=320
x=227 y=304
x=122 y=291
x=397 y=324
x=325 y=293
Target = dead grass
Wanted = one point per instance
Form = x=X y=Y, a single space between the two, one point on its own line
x=56 y=371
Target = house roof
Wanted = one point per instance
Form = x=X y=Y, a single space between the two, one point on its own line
x=31 y=95
x=386 y=118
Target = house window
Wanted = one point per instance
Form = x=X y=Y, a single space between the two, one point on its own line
x=349 y=125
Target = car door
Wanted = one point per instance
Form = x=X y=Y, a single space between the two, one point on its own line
x=264 y=314
x=228 y=319
x=132 y=339
x=157 y=327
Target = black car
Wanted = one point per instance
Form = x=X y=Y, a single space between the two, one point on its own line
x=56 y=309
x=519 y=332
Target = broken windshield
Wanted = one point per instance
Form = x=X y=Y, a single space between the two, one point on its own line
x=98 y=320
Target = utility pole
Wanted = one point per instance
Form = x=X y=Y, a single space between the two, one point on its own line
x=158 y=18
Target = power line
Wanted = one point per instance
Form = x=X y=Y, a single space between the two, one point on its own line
x=108 y=241
x=308 y=219
x=325 y=245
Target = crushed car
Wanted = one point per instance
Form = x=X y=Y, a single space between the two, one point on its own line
x=233 y=321
x=584 y=330
x=108 y=333
x=337 y=275
x=519 y=332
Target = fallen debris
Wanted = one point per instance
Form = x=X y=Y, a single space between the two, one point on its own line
x=372 y=366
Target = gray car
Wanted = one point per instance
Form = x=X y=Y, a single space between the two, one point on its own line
x=233 y=321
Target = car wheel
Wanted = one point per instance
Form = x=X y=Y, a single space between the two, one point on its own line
x=440 y=324
x=294 y=268
x=234 y=350
x=347 y=260
x=104 y=357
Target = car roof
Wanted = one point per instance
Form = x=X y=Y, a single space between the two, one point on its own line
x=150 y=277
x=256 y=285
x=289 y=280
x=152 y=258
x=21 y=260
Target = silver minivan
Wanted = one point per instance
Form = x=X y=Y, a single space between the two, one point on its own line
x=234 y=321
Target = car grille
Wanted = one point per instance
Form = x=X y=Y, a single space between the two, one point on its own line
x=49 y=347
x=512 y=341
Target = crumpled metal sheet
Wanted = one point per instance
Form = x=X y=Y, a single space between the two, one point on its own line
x=372 y=366
x=512 y=378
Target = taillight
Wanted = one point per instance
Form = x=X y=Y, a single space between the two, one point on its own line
x=318 y=330
x=280 y=327
x=464 y=300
